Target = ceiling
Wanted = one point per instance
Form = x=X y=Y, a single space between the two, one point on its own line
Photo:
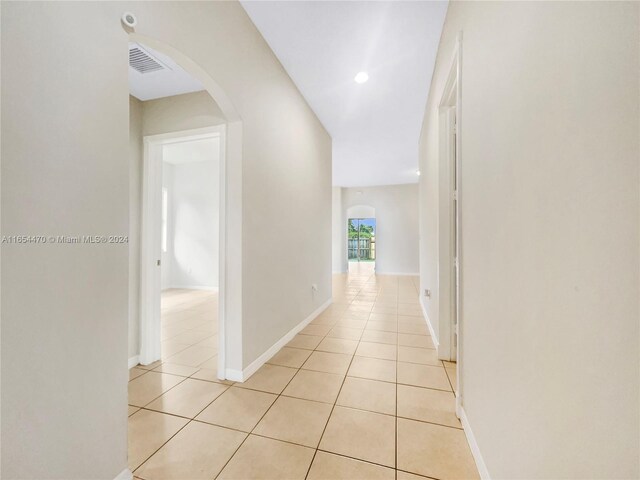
x=191 y=151
x=375 y=126
x=166 y=81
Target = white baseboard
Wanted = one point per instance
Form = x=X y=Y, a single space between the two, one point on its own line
x=124 y=475
x=133 y=361
x=192 y=287
x=241 y=376
x=233 y=375
x=434 y=338
x=473 y=444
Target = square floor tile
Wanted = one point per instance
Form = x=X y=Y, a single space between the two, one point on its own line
x=346 y=333
x=351 y=323
x=169 y=349
x=173 y=369
x=294 y=420
x=383 y=317
x=377 y=336
x=351 y=315
x=363 y=435
x=318 y=330
x=318 y=386
x=151 y=366
x=136 y=372
x=189 y=398
x=358 y=309
x=327 y=321
x=327 y=466
x=423 y=376
x=338 y=345
x=411 y=320
x=269 y=378
x=147 y=432
x=452 y=373
x=373 y=368
x=267 y=459
x=400 y=475
x=434 y=451
x=308 y=342
x=382 y=308
x=198 y=451
x=210 y=376
x=425 y=356
x=409 y=309
x=193 y=356
x=211 y=341
x=290 y=357
x=190 y=337
x=238 y=408
x=328 y=362
x=149 y=386
x=382 y=326
x=132 y=410
x=211 y=364
x=427 y=405
x=406 y=327
x=410 y=340
x=377 y=350
x=369 y=395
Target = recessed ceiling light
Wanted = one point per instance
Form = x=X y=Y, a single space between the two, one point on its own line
x=361 y=77
x=418 y=172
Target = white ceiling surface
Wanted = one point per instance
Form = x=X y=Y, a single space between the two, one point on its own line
x=162 y=83
x=205 y=150
x=375 y=126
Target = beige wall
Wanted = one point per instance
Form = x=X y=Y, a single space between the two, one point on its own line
x=181 y=112
x=549 y=131
x=65 y=308
x=65 y=171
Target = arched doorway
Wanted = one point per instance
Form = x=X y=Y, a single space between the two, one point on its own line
x=229 y=255
x=361 y=239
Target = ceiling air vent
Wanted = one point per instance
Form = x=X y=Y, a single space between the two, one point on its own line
x=141 y=61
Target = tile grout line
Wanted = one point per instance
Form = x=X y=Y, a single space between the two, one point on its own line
x=332 y=326
x=332 y=407
x=179 y=430
x=262 y=417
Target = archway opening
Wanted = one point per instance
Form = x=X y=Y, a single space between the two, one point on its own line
x=361 y=239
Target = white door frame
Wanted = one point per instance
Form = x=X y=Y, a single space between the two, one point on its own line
x=449 y=219
x=150 y=274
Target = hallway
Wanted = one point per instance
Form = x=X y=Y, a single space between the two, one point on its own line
x=358 y=393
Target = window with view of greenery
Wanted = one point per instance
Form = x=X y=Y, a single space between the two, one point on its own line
x=366 y=231
x=361 y=239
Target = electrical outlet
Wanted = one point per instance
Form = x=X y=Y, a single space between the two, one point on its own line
x=427 y=293
x=314 y=287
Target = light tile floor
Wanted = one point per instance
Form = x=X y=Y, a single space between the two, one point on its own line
x=358 y=394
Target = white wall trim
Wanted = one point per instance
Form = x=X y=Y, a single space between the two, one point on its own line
x=133 y=361
x=193 y=287
x=150 y=280
x=241 y=376
x=473 y=445
x=434 y=338
x=124 y=475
